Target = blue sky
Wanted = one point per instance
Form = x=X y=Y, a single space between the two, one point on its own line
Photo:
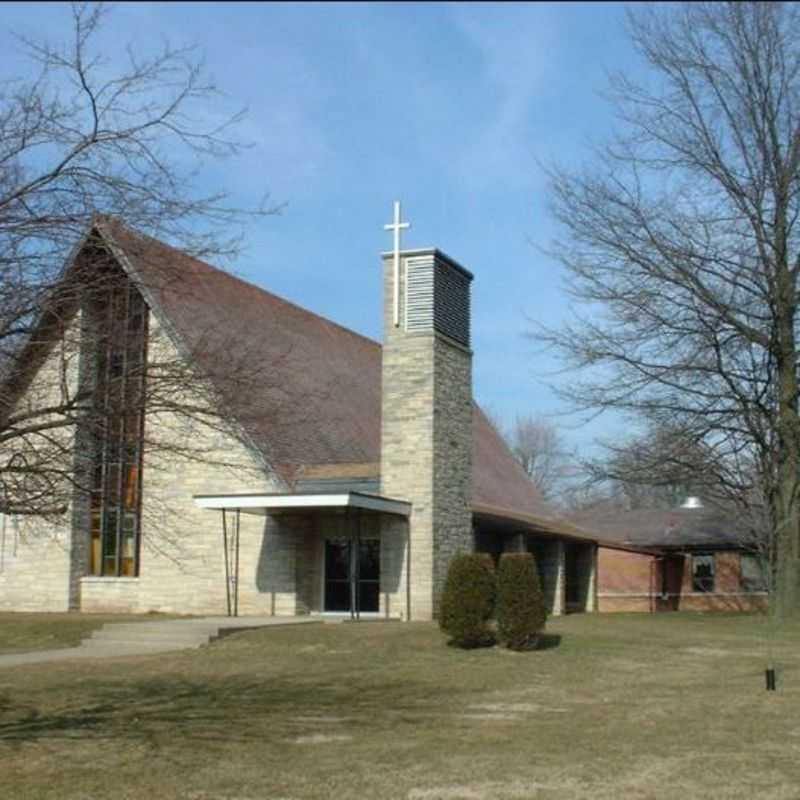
x=448 y=107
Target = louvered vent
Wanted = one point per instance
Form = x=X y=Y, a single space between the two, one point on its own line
x=438 y=298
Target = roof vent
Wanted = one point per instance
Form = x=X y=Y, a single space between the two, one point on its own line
x=691 y=503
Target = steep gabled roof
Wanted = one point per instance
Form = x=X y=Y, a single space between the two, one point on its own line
x=321 y=401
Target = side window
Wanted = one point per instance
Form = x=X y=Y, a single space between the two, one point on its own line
x=703 y=572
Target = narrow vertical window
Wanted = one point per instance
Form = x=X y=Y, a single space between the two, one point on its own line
x=120 y=324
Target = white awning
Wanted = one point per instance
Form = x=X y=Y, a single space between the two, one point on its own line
x=263 y=504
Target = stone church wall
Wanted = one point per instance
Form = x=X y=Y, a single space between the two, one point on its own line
x=182 y=557
x=35 y=554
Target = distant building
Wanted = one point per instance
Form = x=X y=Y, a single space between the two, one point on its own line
x=689 y=559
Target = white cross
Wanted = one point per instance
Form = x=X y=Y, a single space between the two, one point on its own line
x=396 y=227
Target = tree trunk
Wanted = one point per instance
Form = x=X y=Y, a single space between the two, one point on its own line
x=786 y=518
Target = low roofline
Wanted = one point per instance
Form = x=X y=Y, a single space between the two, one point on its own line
x=643 y=549
x=690 y=547
x=549 y=525
x=262 y=503
x=541 y=523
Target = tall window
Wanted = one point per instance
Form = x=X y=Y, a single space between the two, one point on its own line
x=120 y=325
x=703 y=572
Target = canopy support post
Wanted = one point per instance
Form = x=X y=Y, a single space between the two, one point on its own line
x=358 y=564
x=227 y=563
x=348 y=523
x=236 y=566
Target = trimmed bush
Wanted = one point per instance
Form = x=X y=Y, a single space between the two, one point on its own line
x=520 y=609
x=467 y=601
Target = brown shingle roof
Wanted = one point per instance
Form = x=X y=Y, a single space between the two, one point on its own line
x=665 y=529
x=320 y=400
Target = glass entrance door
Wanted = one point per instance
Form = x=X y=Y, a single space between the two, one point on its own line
x=339 y=565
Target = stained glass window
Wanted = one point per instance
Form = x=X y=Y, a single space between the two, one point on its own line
x=120 y=322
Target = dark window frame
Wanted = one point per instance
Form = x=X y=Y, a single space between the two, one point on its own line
x=704 y=583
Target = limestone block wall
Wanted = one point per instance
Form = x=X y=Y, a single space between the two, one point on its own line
x=394 y=577
x=182 y=557
x=36 y=555
x=452 y=453
x=34 y=565
x=591 y=566
x=406 y=463
x=426 y=446
x=549 y=555
x=111 y=595
x=308 y=563
x=310 y=558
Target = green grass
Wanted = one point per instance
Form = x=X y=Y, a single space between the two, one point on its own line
x=21 y=633
x=614 y=706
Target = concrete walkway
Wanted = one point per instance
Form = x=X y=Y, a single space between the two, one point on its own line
x=147 y=637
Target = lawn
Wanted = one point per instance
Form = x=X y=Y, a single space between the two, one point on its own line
x=20 y=633
x=614 y=706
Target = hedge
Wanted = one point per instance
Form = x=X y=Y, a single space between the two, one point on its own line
x=468 y=600
x=520 y=611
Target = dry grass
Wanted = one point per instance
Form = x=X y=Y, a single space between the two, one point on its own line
x=613 y=707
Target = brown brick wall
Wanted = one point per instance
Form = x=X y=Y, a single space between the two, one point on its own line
x=624 y=572
x=722 y=602
x=624 y=604
x=629 y=581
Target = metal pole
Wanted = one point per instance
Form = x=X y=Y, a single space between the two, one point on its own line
x=236 y=569
x=227 y=565
x=353 y=599
x=407 y=529
x=358 y=564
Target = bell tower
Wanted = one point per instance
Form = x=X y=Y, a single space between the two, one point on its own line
x=426 y=423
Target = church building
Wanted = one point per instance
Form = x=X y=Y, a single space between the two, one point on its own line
x=339 y=476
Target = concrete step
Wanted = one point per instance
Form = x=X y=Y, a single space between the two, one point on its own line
x=163 y=627
x=148 y=637
x=160 y=636
x=112 y=633
x=99 y=648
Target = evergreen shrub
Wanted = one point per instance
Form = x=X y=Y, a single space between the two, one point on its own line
x=520 y=610
x=468 y=600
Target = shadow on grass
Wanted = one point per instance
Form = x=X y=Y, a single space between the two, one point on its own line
x=548 y=641
x=230 y=709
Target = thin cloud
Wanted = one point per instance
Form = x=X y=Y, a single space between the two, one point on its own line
x=517 y=62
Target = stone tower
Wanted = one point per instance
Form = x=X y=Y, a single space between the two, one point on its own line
x=426 y=426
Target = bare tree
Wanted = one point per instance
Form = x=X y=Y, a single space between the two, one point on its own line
x=660 y=468
x=684 y=233
x=540 y=449
x=82 y=143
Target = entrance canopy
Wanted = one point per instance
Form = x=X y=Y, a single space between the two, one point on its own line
x=264 y=504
